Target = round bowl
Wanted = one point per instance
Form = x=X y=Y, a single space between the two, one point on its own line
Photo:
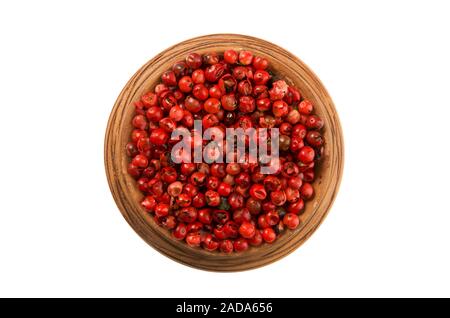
x=128 y=196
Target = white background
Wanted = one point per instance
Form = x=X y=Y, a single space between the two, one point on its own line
x=386 y=65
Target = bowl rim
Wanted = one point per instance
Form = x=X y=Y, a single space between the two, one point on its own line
x=110 y=159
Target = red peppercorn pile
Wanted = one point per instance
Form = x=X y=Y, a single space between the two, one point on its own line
x=224 y=206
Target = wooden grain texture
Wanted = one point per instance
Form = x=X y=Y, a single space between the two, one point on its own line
x=127 y=196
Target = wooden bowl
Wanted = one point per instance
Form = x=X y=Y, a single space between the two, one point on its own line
x=127 y=195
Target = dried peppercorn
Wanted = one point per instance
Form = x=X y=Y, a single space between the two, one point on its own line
x=232 y=206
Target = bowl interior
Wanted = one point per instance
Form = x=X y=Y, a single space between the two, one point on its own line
x=123 y=186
